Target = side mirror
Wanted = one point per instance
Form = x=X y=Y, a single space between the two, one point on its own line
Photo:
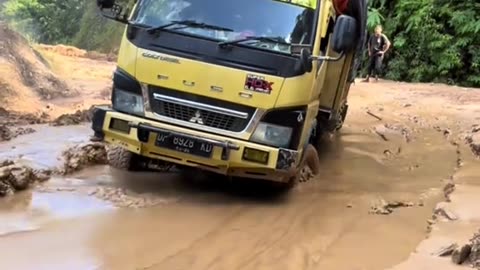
x=105 y=4
x=344 y=40
x=344 y=34
x=111 y=10
x=306 y=60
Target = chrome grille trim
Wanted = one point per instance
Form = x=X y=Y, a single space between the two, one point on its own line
x=201 y=106
x=244 y=134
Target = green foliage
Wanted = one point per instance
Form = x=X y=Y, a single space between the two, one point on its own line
x=97 y=32
x=374 y=18
x=433 y=40
x=46 y=21
x=75 y=22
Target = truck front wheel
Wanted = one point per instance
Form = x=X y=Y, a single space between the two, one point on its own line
x=310 y=161
x=122 y=159
x=309 y=165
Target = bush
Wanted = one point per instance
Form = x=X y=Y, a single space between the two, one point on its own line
x=45 y=21
x=96 y=32
x=433 y=40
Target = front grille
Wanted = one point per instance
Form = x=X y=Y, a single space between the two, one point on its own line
x=211 y=119
x=190 y=109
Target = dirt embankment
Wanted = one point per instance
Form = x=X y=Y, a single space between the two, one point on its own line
x=48 y=84
x=25 y=74
x=80 y=116
x=71 y=51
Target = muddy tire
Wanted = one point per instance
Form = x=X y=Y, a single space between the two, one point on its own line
x=122 y=159
x=309 y=167
x=311 y=159
x=341 y=119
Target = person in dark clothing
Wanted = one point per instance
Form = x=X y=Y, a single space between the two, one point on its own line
x=378 y=45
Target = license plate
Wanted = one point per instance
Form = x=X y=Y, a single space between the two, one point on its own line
x=184 y=144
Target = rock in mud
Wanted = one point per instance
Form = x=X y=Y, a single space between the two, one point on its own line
x=448 y=189
x=382 y=207
x=21 y=177
x=446 y=251
x=306 y=174
x=473 y=140
x=445 y=131
x=393 y=129
x=441 y=209
x=74 y=119
x=126 y=199
x=474 y=256
x=475 y=128
x=14 y=177
x=460 y=255
x=82 y=155
x=469 y=252
x=7 y=133
x=24 y=131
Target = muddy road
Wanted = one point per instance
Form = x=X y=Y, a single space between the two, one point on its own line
x=380 y=180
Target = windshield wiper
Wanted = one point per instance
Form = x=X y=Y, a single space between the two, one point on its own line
x=186 y=24
x=279 y=40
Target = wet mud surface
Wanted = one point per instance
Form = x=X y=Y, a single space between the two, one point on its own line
x=380 y=181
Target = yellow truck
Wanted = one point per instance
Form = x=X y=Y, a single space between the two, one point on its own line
x=242 y=88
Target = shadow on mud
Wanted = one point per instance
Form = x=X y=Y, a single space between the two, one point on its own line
x=203 y=187
x=200 y=187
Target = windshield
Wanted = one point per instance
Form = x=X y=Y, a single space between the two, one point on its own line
x=285 y=22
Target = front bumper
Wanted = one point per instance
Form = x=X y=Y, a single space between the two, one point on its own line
x=227 y=157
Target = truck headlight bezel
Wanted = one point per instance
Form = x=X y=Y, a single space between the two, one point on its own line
x=127 y=94
x=128 y=102
x=271 y=134
x=281 y=120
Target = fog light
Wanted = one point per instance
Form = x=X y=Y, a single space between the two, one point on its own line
x=255 y=155
x=119 y=125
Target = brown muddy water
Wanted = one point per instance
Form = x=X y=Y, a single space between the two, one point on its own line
x=103 y=219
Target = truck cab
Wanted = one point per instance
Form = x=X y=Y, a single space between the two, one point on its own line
x=239 y=88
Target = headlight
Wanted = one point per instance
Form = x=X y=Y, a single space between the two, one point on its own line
x=127 y=102
x=271 y=134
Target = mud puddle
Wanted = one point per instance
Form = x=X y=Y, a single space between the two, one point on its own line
x=165 y=222
x=30 y=211
x=43 y=149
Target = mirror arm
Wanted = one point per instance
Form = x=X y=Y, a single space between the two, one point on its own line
x=327 y=58
x=115 y=18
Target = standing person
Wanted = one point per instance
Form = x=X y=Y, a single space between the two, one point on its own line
x=378 y=45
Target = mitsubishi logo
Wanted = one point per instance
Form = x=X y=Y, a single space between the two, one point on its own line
x=197 y=118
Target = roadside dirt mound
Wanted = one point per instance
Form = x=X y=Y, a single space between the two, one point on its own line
x=16 y=118
x=76 y=118
x=24 y=74
x=64 y=50
x=80 y=156
x=15 y=177
x=75 y=52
